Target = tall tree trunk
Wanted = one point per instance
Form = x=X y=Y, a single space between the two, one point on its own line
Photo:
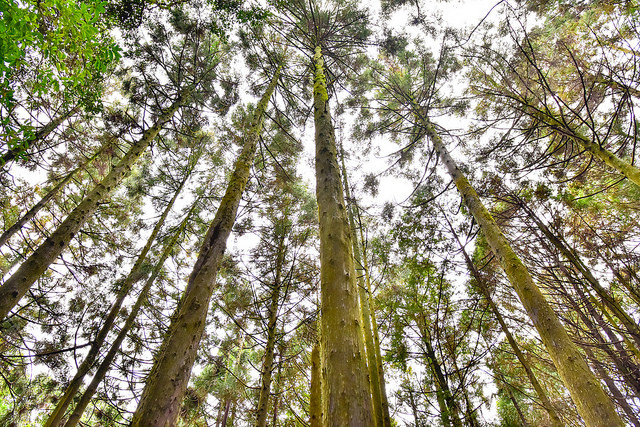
x=225 y=416
x=40 y=134
x=369 y=345
x=167 y=382
x=516 y=405
x=613 y=389
x=17 y=226
x=484 y=289
x=557 y=241
x=102 y=370
x=592 y=402
x=345 y=392
x=134 y=275
x=16 y=286
x=386 y=417
x=452 y=412
x=620 y=357
x=267 y=365
x=315 y=404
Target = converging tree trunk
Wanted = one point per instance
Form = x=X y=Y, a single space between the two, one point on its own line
x=267 y=365
x=346 y=395
x=31 y=213
x=315 y=396
x=572 y=256
x=167 y=382
x=16 y=286
x=364 y=297
x=592 y=402
x=105 y=364
x=482 y=285
x=125 y=287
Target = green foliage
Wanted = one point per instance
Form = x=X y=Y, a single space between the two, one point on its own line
x=50 y=48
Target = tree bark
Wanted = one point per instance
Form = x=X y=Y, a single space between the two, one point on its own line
x=557 y=241
x=167 y=382
x=542 y=394
x=592 y=402
x=267 y=365
x=315 y=404
x=365 y=312
x=345 y=392
x=16 y=286
x=611 y=385
x=386 y=417
x=102 y=370
x=42 y=202
x=55 y=418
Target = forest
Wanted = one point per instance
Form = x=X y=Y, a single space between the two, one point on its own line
x=319 y=213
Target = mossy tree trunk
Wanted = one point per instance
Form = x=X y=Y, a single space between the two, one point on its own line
x=16 y=286
x=103 y=368
x=55 y=418
x=267 y=365
x=571 y=255
x=315 y=398
x=345 y=390
x=31 y=213
x=484 y=289
x=167 y=382
x=365 y=312
x=386 y=417
x=592 y=402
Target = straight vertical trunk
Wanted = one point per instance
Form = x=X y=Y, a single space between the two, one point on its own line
x=267 y=365
x=167 y=382
x=315 y=404
x=372 y=364
x=16 y=286
x=42 y=202
x=102 y=370
x=134 y=275
x=386 y=417
x=451 y=415
x=592 y=402
x=345 y=393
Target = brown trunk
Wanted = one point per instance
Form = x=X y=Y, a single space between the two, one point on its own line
x=592 y=402
x=42 y=202
x=365 y=312
x=55 y=418
x=345 y=392
x=315 y=398
x=16 y=286
x=102 y=370
x=267 y=366
x=451 y=412
x=167 y=382
x=225 y=416
x=484 y=289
